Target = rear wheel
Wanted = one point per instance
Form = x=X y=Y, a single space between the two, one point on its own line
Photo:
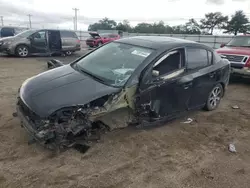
x=214 y=97
x=68 y=53
x=22 y=51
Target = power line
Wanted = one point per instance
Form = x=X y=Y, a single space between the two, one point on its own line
x=75 y=18
x=2 y=20
x=29 y=15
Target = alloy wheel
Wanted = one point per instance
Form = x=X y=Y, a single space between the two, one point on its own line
x=68 y=53
x=215 y=97
x=23 y=51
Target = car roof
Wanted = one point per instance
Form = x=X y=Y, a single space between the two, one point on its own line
x=157 y=42
x=52 y=30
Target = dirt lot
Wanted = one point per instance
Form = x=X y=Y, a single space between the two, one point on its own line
x=176 y=155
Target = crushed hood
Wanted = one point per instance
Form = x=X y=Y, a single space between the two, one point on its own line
x=61 y=87
x=234 y=50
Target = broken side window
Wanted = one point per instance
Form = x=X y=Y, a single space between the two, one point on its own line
x=170 y=62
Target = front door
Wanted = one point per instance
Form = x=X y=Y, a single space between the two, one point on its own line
x=39 y=42
x=166 y=87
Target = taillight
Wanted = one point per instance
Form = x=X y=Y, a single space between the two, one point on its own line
x=78 y=41
x=247 y=63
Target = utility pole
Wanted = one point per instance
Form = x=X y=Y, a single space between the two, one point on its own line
x=75 y=19
x=2 y=20
x=29 y=15
x=74 y=22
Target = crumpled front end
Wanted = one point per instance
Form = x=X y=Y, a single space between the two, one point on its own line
x=63 y=129
x=78 y=125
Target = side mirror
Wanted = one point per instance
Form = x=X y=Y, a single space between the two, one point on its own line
x=155 y=73
x=222 y=45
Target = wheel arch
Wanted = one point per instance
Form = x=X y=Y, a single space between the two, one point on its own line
x=22 y=44
x=223 y=86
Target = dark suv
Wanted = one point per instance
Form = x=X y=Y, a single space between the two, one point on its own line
x=99 y=39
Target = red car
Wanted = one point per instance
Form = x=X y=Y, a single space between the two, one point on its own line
x=237 y=51
x=99 y=39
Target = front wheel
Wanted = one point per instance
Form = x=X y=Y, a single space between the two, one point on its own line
x=68 y=53
x=22 y=51
x=99 y=44
x=214 y=98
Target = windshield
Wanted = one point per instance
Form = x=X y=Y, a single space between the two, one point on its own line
x=241 y=41
x=26 y=33
x=113 y=63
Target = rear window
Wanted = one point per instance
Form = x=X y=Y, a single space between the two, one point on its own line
x=197 y=58
x=69 y=34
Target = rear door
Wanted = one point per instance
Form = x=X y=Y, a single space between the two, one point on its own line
x=70 y=40
x=54 y=39
x=39 y=42
x=165 y=88
x=105 y=38
x=113 y=37
x=199 y=64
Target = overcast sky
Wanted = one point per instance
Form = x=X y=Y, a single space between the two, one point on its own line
x=58 y=13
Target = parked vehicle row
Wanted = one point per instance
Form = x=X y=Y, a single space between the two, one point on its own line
x=138 y=80
x=37 y=42
x=99 y=39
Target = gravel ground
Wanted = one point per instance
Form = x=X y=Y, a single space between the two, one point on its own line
x=174 y=155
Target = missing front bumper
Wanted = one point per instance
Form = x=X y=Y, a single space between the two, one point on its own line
x=40 y=136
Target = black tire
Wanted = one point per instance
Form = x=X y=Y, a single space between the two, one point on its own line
x=214 y=97
x=22 y=51
x=99 y=44
x=68 y=53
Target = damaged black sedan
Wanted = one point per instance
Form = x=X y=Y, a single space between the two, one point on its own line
x=138 y=80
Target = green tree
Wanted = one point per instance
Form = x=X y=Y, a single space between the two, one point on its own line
x=124 y=26
x=192 y=27
x=143 y=28
x=239 y=23
x=179 y=29
x=158 y=28
x=213 y=20
x=104 y=24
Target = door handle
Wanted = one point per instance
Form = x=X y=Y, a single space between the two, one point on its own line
x=187 y=85
x=212 y=74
